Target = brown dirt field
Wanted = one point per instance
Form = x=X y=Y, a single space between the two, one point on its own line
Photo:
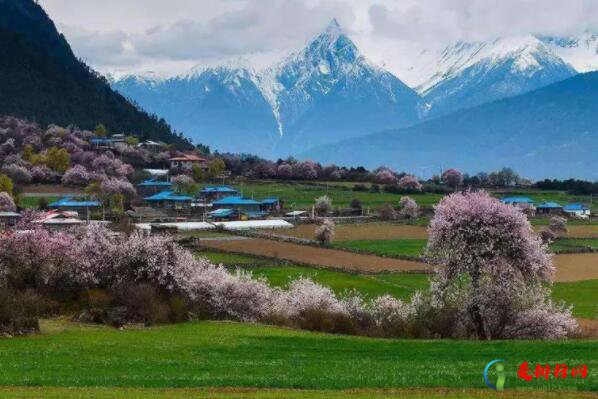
x=366 y=231
x=588 y=327
x=576 y=267
x=583 y=231
x=49 y=189
x=317 y=256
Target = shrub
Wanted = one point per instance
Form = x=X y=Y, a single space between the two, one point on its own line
x=409 y=183
x=76 y=176
x=360 y=187
x=547 y=236
x=17 y=173
x=408 y=208
x=323 y=205
x=355 y=204
x=558 y=225
x=19 y=311
x=7 y=204
x=325 y=232
x=387 y=212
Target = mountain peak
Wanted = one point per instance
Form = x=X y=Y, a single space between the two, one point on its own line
x=334 y=28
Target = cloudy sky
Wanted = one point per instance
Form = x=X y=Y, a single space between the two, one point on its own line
x=171 y=36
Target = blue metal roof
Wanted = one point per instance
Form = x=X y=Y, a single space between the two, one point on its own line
x=71 y=203
x=270 y=201
x=155 y=183
x=218 y=189
x=168 y=196
x=549 y=205
x=221 y=213
x=575 y=207
x=517 y=200
x=100 y=140
x=235 y=201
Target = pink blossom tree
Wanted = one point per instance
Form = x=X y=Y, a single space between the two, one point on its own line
x=76 y=176
x=384 y=175
x=408 y=208
x=489 y=264
x=452 y=178
x=307 y=170
x=409 y=183
x=285 y=171
x=18 y=174
x=325 y=232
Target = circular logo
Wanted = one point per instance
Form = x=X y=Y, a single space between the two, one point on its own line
x=500 y=373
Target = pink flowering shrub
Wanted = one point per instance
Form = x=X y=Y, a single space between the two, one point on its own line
x=384 y=175
x=18 y=174
x=408 y=208
x=114 y=186
x=409 y=183
x=285 y=171
x=76 y=176
x=489 y=262
x=323 y=205
x=558 y=225
x=452 y=178
x=325 y=232
x=7 y=204
x=43 y=174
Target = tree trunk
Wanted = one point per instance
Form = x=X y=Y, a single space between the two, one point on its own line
x=474 y=310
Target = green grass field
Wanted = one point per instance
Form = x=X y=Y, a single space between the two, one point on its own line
x=574 y=244
x=302 y=195
x=265 y=393
x=403 y=247
x=33 y=201
x=581 y=294
x=226 y=354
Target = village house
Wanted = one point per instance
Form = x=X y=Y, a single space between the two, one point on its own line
x=524 y=203
x=270 y=205
x=549 y=208
x=153 y=186
x=214 y=193
x=186 y=162
x=169 y=200
x=241 y=208
x=8 y=219
x=577 y=210
x=59 y=220
x=77 y=206
x=150 y=146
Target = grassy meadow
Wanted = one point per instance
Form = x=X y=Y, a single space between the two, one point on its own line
x=227 y=354
x=302 y=194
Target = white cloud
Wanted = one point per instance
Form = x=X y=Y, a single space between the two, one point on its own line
x=170 y=36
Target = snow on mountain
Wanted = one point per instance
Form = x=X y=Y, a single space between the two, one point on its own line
x=323 y=93
x=330 y=91
x=581 y=51
x=219 y=106
x=469 y=74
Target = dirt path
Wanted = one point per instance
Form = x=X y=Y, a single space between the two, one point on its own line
x=576 y=267
x=366 y=231
x=317 y=256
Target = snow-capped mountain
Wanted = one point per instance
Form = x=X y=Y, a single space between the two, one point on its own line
x=469 y=74
x=324 y=93
x=329 y=91
x=222 y=107
x=581 y=51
